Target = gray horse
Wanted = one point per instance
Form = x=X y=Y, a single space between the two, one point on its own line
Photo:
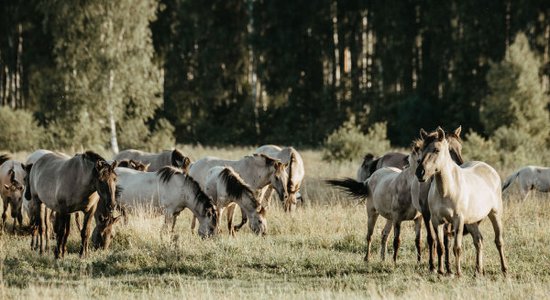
x=85 y=182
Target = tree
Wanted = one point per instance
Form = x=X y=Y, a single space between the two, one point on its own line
x=516 y=100
x=103 y=53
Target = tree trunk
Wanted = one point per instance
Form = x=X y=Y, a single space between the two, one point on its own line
x=114 y=141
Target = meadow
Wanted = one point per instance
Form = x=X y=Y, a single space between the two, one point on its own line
x=314 y=253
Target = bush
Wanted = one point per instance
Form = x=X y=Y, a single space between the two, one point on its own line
x=476 y=147
x=348 y=142
x=19 y=130
x=162 y=137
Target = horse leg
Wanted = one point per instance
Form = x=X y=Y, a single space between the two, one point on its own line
x=66 y=231
x=478 y=243
x=384 y=242
x=396 y=240
x=193 y=223
x=4 y=215
x=418 y=238
x=20 y=219
x=176 y=214
x=430 y=233
x=446 y=230
x=59 y=231
x=439 y=232
x=244 y=219
x=49 y=229
x=77 y=220
x=496 y=220
x=457 y=249
x=371 y=222
x=42 y=226
x=85 y=231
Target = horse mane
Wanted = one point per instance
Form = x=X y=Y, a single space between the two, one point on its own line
x=200 y=195
x=92 y=156
x=4 y=158
x=416 y=145
x=373 y=165
x=234 y=184
x=166 y=173
x=177 y=155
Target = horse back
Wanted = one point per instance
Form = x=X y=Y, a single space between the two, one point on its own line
x=56 y=178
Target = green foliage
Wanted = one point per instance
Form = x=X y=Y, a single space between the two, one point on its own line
x=162 y=137
x=348 y=142
x=19 y=130
x=517 y=100
x=476 y=147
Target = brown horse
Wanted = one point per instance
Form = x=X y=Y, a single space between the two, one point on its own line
x=85 y=182
x=12 y=177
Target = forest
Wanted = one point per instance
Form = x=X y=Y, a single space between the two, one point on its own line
x=158 y=72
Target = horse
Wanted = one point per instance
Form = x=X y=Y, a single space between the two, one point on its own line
x=370 y=164
x=400 y=160
x=12 y=178
x=257 y=170
x=133 y=164
x=529 y=178
x=460 y=195
x=388 y=194
x=156 y=160
x=85 y=182
x=170 y=190
x=225 y=186
x=295 y=171
x=419 y=190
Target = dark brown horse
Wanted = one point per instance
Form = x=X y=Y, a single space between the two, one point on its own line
x=85 y=182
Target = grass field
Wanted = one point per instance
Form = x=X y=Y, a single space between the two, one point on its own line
x=315 y=253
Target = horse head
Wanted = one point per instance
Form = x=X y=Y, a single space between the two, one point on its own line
x=258 y=222
x=104 y=181
x=209 y=221
x=180 y=161
x=433 y=155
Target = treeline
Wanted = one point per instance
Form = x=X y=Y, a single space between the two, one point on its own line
x=258 y=71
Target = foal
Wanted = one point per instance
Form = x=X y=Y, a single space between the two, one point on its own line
x=460 y=195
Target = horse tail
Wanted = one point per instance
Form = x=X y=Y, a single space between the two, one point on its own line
x=509 y=180
x=28 y=194
x=351 y=186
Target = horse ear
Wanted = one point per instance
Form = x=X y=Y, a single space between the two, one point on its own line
x=458 y=130
x=116 y=220
x=368 y=157
x=186 y=162
x=440 y=133
x=23 y=166
x=115 y=164
x=7 y=186
x=147 y=166
x=423 y=133
x=28 y=168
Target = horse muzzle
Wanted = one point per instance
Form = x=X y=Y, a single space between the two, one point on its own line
x=420 y=173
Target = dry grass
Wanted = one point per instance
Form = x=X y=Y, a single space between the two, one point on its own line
x=314 y=253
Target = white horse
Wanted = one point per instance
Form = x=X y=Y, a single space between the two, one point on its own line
x=256 y=170
x=169 y=190
x=295 y=171
x=225 y=186
x=529 y=178
x=460 y=195
x=388 y=193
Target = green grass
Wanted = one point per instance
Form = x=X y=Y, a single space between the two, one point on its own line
x=317 y=252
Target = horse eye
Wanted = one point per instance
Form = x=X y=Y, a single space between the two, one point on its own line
x=436 y=150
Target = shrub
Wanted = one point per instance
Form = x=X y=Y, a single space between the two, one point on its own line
x=476 y=147
x=162 y=137
x=348 y=142
x=20 y=131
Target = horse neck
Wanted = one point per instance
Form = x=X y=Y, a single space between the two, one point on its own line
x=248 y=203
x=191 y=196
x=446 y=180
x=255 y=177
